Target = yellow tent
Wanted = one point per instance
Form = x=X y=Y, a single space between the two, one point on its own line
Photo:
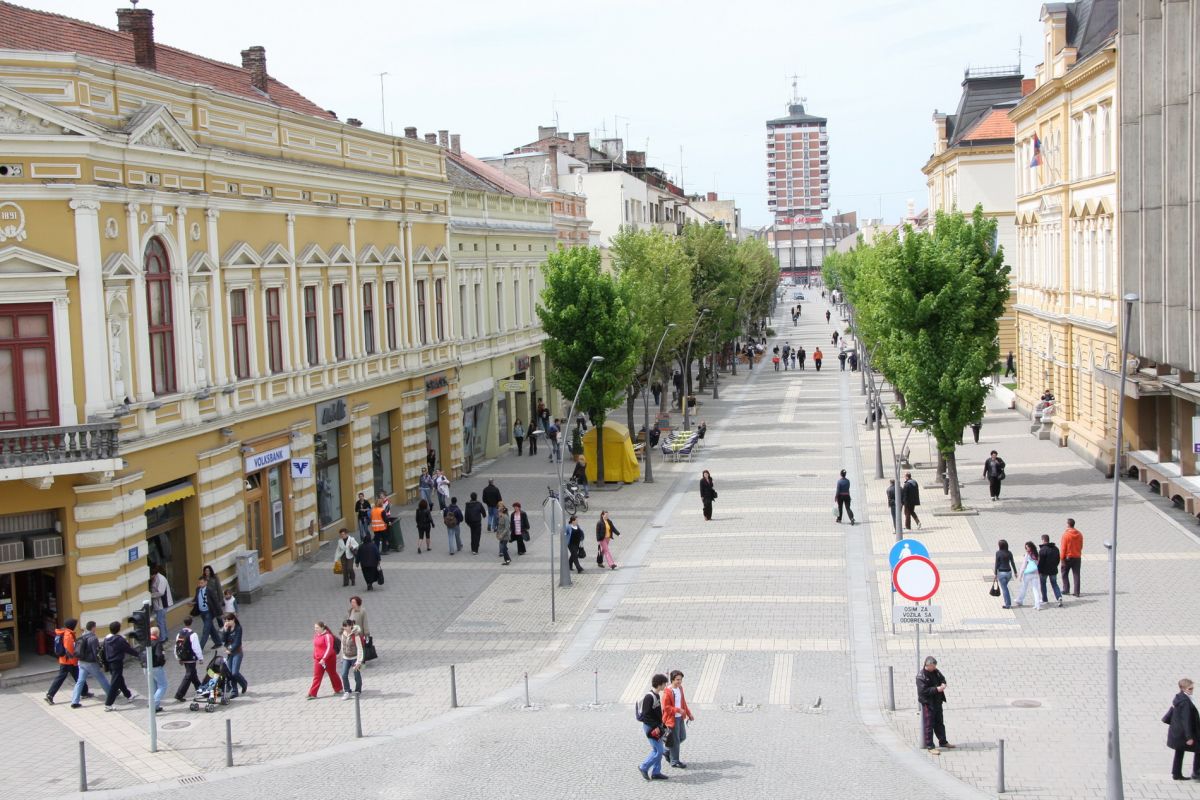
x=620 y=463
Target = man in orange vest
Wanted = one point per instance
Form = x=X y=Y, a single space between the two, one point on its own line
x=379 y=523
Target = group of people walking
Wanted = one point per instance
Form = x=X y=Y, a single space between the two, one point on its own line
x=664 y=714
x=340 y=654
x=1040 y=564
x=797 y=357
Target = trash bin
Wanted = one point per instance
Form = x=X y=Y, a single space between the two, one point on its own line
x=247 y=571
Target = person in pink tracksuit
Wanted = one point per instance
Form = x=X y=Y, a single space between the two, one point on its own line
x=324 y=660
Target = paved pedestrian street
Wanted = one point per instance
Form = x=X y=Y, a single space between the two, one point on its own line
x=778 y=616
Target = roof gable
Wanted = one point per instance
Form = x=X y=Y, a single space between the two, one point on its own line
x=153 y=126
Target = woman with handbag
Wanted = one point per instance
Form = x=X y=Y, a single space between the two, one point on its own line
x=353 y=650
x=707 y=494
x=605 y=531
x=1029 y=577
x=358 y=615
x=1002 y=572
x=574 y=543
x=1185 y=729
x=424 y=526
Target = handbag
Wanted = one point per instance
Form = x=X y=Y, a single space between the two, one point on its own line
x=995 y=590
x=712 y=494
x=379 y=572
x=369 y=652
x=580 y=552
x=669 y=738
x=337 y=567
x=1167 y=716
x=525 y=536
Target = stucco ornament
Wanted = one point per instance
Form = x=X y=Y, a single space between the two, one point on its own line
x=12 y=222
x=195 y=231
x=158 y=136
x=14 y=120
x=111 y=231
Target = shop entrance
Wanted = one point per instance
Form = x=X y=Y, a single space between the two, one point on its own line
x=166 y=537
x=266 y=524
x=433 y=435
x=31 y=557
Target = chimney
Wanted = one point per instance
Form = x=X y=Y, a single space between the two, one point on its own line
x=354 y=123
x=444 y=138
x=1028 y=85
x=554 y=166
x=431 y=138
x=712 y=197
x=635 y=158
x=456 y=144
x=940 y=132
x=331 y=113
x=254 y=59
x=546 y=131
x=583 y=146
x=410 y=133
x=139 y=22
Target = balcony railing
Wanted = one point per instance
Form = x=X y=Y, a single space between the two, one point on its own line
x=72 y=444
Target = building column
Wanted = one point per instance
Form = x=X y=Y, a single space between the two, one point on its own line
x=294 y=356
x=183 y=343
x=354 y=306
x=97 y=386
x=1163 y=408
x=220 y=357
x=403 y=340
x=109 y=549
x=410 y=283
x=139 y=335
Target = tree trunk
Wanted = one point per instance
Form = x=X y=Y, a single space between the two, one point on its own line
x=630 y=399
x=599 y=425
x=952 y=475
x=940 y=471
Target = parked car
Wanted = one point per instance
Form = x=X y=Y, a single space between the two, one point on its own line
x=798 y=296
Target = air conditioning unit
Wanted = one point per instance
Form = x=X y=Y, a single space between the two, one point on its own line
x=11 y=551
x=46 y=546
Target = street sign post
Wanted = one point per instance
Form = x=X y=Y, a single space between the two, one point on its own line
x=915 y=578
x=916 y=615
x=905 y=548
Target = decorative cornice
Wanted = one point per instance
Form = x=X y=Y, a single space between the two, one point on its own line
x=85 y=205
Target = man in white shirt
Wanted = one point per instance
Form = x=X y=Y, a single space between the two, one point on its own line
x=188 y=652
x=160 y=599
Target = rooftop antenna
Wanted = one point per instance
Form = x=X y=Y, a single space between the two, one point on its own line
x=796 y=98
x=382 y=104
x=1020 y=65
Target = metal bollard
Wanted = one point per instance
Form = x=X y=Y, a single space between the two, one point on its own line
x=357 y=717
x=1000 y=769
x=595 y=687
x=527 y=690
x=82 y=768
x=891 y=689
x=453 y=689
x=228 y=742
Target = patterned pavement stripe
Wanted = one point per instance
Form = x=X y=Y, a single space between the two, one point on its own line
x=710 y=676
x=781 y=679
x=639 y=681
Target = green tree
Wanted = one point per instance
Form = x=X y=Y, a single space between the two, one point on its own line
x=585 y=313
x=715 y=278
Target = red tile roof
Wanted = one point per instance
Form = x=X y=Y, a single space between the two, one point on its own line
x=27 y=29
x=993 y=125
x=493 y=175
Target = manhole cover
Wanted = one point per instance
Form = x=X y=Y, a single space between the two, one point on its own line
x=512 y=600
x=1026 y=703
x=177 y=725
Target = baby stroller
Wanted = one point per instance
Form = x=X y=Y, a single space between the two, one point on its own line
x=215 y=688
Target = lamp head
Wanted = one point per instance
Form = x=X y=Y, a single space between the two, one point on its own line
x=916 y=423
x=597 y=358
x=672 y=325
x=1131 y=298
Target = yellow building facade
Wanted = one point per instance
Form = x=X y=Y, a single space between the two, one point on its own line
x=1068 y=311
x=223 y=314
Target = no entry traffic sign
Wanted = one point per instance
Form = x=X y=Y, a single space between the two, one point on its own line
x=916 y=578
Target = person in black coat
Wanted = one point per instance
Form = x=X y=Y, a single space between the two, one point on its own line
x=367 y=557
x=491 y=499
x=519 y=522
x=707 y=494
x=574 y=542
x=424 y=526
x=910 y=496
x=116 y=648
x=931 y=694
x=473 y=514
x=1184 y=722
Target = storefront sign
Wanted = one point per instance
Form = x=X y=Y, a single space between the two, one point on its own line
x=332 y=414
x=512 y=385
x=437 y=385
x=267 y=458
x=522 y=363
x=131 y=555
x=301 y=467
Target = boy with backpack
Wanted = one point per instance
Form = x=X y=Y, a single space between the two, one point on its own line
x=649 y=713
x=89 y=654
x=452 y=518
x=68 y=664
x=187 y=652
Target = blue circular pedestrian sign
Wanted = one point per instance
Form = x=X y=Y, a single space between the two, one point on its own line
x=905 y=548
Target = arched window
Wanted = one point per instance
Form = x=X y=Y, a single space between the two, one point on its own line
x=161 y=323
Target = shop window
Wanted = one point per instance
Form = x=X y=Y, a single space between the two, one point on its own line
x=381 y=454
x=439 y=310
x=161 y=319
x=422 y=325
x=329 y=481
x=241 y=333
x=368 y=312
x=166 y=545
x=389 y=292
x=27 y=385
x=339 y=324
x=274 y=332
x=311 y=338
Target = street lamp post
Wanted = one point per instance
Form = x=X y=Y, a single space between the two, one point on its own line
x=737 y=324
x=646 y=402
x=1115 y=784
x=876 y=401
x=687 y=365
x=564 y=578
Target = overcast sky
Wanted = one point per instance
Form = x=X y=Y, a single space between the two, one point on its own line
x=696 y=74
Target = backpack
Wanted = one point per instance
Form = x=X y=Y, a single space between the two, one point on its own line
x=85 y=648
x=637 y=707
x=449 y=519
x=183 y=646
x=59 y=649
x=337 y=644
x=101 y=655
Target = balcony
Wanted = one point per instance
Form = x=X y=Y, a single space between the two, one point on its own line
x=37 y=455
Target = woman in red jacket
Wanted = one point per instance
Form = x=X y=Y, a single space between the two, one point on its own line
x=324 y=660
x=676 y=715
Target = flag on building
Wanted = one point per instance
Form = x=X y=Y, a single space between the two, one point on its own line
x=1037 y=152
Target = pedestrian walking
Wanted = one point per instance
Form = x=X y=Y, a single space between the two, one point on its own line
x=976 y=427
x=841 y=496
x=891 y=498
x=160 y=597
x=801 y=355
x=344 y=553
x=531 y=439
x=158 y=668
x=1029 y=577
x=442 y=485
x=89 y=651
x=358 y=615
x=707 y=494
x=841 y=355
x=367 y=558
x=229 y=605
x=579 y=475
x=188 y=652
x=362 y=510
x=651 y=715
x=474 y=513
x=676 y=716
x=231 y=637
x=213 y=582
x=353 y=651
x=605 y=531
x=574 y=543
x=380 y=521
x=1184 y=729
x=827 y=315
x=491 y=499
x=1072 y=554
x=853 y=361
x=425 y=485
x=1003 y=569
x=931 y=694
x=519 y=525
x=206 y=606
x=835 y=338
x=503 y=532
x=818 y=357
x=68 y=662
x=543 y=415
x=677 y=382
x=324 y=654
x=430 y=458
x=1048 y=561
x=116 y=649
x=910 y=496
x=424 y=526
x=793 y=359
x=775 y=357
x=452 y=518
x=1010 y=365
x=656 y=389
x=519 y=434
x=552 y=437
x=993 y=470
